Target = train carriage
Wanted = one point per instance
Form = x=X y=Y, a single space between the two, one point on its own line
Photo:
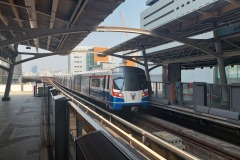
x=121 y=88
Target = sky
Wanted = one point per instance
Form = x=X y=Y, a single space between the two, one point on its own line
x=130 y=11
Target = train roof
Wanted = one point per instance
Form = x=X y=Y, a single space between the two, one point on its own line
x=99 y=72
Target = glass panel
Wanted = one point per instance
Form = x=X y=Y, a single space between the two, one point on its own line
x=153 y=84
x=209 y=96
x=187 y=94
x=130 y=81
x=161 y=90
x=220 y=96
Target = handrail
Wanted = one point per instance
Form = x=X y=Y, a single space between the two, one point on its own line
x=117 y=129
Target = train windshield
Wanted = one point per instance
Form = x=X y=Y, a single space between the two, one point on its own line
x=129 y=81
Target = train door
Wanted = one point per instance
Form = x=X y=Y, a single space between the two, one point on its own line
x=103 y=92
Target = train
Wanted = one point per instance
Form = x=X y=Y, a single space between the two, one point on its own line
x=120 y=88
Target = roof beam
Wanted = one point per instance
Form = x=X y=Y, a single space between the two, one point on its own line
x=198 y=58
x=5 y=60
x=6 y=23
x=73 y=20
x=4 y=68
x=46 y=32
x=3 y=19
x=15 y=12
x=238 y=47
x=37 y=33
x=35 y=57
x=190 y=42
x=42 y=13
x=52 y=19
x=234 y=2
x=33 y=54
x=208 y=14
x=30 y=4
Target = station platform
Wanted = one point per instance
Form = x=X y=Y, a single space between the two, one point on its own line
x=20 y=120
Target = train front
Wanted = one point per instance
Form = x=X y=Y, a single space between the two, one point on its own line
x=129 y=89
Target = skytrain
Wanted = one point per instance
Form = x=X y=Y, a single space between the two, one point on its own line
x=121 y=88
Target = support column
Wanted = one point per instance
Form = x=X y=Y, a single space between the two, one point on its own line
x=9 y=81
x=147 y=72
x=215 y=75
x=221 y=67
x=171 y=73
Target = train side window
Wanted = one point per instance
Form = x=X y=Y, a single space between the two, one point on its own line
x=104 y=82
x=95 y=82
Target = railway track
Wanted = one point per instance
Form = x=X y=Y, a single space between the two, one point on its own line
x=199 y=144
x=192 y=140
x=223 y=131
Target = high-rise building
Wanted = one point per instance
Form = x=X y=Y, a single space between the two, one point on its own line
x=162 y=12
x=34 y=69
x=77 y=60
x=84 y=58
x=17 y=73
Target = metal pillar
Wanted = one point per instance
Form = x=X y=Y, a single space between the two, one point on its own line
x=221 y=66
x=147 y=72
x=9 y=81
x=171 y=73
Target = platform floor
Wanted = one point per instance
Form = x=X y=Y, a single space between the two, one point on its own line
x=20 y=127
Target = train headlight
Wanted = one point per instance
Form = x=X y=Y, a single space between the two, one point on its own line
x=118 y=94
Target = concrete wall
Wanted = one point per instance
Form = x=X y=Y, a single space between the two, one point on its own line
x=18 y=88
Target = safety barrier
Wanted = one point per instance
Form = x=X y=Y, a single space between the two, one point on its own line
x=18 y=87
x=215 y=99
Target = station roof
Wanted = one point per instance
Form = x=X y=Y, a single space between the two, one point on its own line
x=193 y=52
x=22 y=18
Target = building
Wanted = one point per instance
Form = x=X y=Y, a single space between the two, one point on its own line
x=3 y=73
x=17 y=73
x=85 y=58
x=77 y=60
x=161 y=12
x=34 y=69
x=105 y=65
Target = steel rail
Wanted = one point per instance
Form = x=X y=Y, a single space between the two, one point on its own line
x=194 y=140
